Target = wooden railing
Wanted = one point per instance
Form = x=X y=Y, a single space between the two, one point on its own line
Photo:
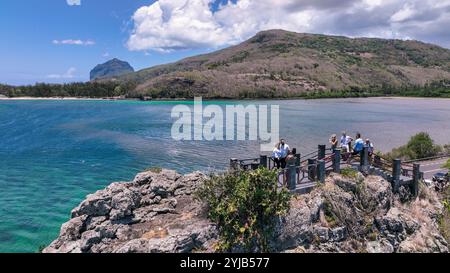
x=314 y=166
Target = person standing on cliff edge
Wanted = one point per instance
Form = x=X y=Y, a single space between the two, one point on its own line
x=284 y=150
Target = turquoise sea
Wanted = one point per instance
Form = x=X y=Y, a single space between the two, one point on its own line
x=54 y=153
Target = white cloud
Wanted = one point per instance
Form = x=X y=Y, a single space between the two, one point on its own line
x=105 y=55
x=70 y=74
x=74 y=42
x=73 y=2
x=168 y=25
x=406 y=12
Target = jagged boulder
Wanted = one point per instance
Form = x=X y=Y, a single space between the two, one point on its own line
x=156 y=212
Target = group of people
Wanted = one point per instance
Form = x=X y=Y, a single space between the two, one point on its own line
x=348 y=148
x=282 y=154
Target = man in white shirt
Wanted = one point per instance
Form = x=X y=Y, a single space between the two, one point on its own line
x=345 y=140
x=284 y=151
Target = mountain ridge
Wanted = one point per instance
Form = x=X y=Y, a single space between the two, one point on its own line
x=278 y=63
x=111 y=68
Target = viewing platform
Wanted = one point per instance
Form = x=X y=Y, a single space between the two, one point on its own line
x=306 y=171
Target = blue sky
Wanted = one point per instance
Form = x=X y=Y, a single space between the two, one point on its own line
x=28 y=29
x=52 y=41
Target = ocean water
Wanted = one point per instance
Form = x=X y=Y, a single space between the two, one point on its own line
x=54 y=153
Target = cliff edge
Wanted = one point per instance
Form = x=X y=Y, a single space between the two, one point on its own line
x=157 y=212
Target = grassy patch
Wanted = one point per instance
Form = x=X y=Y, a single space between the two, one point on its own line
x=444 y=221
x=154 y=169
x=330 y=217
x=349 y=172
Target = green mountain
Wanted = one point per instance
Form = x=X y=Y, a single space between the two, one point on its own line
x=275 y=64
x=279 y=63
x=112 y=68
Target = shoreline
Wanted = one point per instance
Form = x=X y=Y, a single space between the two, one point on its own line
x=204 y=99
x=58 y=98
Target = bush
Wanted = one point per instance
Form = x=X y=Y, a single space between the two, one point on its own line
x=419 y=146
x=245 y=206
x=447 y=165
x=447 y=149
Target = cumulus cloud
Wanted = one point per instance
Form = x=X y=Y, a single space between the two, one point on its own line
x=69 y=74
x=74 y=42
x=73 y=2
x=168 y=25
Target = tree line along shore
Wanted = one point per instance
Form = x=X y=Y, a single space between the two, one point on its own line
x=114 y=89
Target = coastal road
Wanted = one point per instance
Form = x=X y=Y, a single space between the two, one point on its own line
x=429 y=168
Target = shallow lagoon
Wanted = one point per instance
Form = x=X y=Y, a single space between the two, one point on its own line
x=54 y=153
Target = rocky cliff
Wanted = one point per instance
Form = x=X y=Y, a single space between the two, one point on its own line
x=110 y=69
x=157 y=212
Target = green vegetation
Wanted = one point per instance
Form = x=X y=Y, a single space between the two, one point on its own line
x=444 y=219
x=88 y=89
x=329 y=214
x=245 y=206
x=419 y=146
x=154 y=169
x=349 y=172
x=447 y=165
x=188 y=89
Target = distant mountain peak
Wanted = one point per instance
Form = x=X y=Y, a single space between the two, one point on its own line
x=111 y=68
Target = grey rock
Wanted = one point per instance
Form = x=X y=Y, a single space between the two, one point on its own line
x=382 y=246
x=72 y=230
x=322 y=233
x=295 y=228
x=88 y=239
x=338 y=234
x=94 y=205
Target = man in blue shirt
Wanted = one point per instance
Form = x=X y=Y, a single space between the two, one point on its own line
x=359 y=145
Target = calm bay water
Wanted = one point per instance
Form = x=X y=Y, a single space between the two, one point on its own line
x=54 y=153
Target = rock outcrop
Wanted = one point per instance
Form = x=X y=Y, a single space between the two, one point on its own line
x=112 y=68
x=157 y=212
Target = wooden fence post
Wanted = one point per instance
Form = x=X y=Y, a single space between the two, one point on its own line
x=416 y=179
x=234 y=164
x=312 y=169
x=263 y=161
x=365 y=157
x=321 y=171
x=321 y=152
x=292 y=177
x=396 y=172
x=377 y=161
x=298 y=160
x=337 y=161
